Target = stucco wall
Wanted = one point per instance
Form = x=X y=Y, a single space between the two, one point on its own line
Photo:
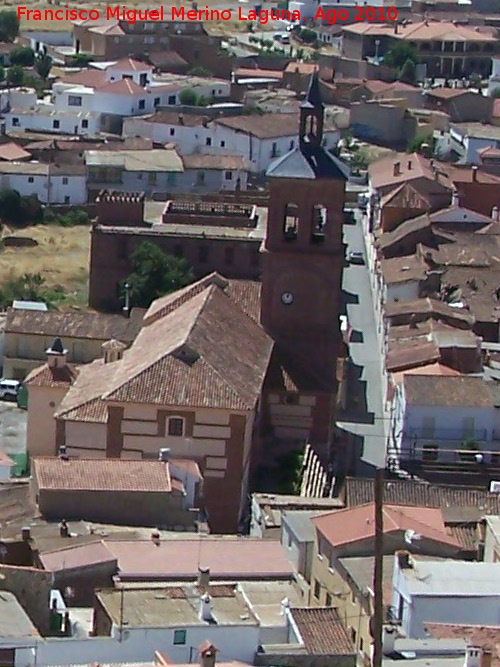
x=41 y=427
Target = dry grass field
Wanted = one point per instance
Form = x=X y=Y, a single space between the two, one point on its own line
x=61 y=257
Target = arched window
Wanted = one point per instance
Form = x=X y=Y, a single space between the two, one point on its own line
x=319 y=220
x=291 y=222
x=175 y=426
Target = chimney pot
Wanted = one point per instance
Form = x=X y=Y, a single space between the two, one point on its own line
x=397 y=169
x=164 y=455
x=25 y=534
x=155 y=538
x=206 y=607
x=63 y=529
x=474 y=173
x=409 y=165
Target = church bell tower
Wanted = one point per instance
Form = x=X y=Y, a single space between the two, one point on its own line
x=303 y=252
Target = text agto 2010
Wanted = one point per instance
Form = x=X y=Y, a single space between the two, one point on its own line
x=123 y=13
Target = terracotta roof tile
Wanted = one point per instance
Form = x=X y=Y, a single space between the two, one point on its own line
x=424 y=30
x=478 y=636
x=122 y=87
x=213 y=356
x=57 y=474
x=46 y=376
x=403 y=269
x=76 y=557
x=227 y=558
x=266 y=126
x=322 y=631
x=99 y=326
x=93 y=78
x=357 y=523
x=83 y=402
x=12 y=152
x=130 y=64
x=414 y=493
x=461 y=391
x=198 y=161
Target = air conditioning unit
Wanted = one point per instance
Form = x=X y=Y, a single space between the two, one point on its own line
x=495 y=486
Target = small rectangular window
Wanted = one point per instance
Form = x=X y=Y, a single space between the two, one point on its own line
x=31 y=179
x=142 y=104
x=172 y=131
x=223 y=144
x=176 y=428
x=171 y=99
x=152 y=178
x=317 y=589
x=66 y=199
x=157 y=101
x=328 y=600
x=200 y=178
x=15 y=122
x=228 y=175
x=85 y=124
x=65 y=181
x=74 y=100
x=56 y=124
x=208 y=141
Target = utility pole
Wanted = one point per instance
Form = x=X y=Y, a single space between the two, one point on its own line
x=378 y=611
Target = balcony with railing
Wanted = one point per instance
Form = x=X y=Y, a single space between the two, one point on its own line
x=447 y=435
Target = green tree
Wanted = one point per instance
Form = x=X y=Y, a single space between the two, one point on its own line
x=188 y=97
x=399 y=54
x=360 y=160
x=408 y=72
x=15 y=75
x=308 y=36
x=200 y=71
x=154 y=274
x=22 y=55
x=43 y=64
x=2 y=73
x=9 y=25
x=10 y=206
x=81 y=59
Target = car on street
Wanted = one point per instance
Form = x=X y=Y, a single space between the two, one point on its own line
x=9 y=388
x=356 y=257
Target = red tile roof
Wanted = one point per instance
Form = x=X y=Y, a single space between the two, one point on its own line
x=179 y=559
x=130 y=64
x=351 y=525
x=484 y=637
x=322 y=631
x=122 y=87
x=46 y=376
x=76 y=557
x=57 y=474
x=10 y=152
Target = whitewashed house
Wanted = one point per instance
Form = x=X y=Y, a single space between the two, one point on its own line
x=258 y=139
x=51 y=184
x=443 y=591
x=494 y=80
x=434 y=416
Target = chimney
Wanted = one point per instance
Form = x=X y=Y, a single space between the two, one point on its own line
x=113 y=350
x=63 y=529
x=396 y=26
x=409 y=165
x=404 y=560
x=454 y=199
x=494 y=213
x=473 y=657
x=425 y=150
x=206 y=608
x=181 y=119
x=56 y=354
x=204 y=121
x=203 y=578
x=164 y=455
x=474 y=173
x=397 y=169
x=389 y=639
x=25 y=534
x=155 y=538
x=208 y=653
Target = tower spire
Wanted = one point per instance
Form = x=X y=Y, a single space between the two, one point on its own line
x=312 y=116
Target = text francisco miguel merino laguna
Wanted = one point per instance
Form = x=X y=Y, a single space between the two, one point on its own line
x=123 y=13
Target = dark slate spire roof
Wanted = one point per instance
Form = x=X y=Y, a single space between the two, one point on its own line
x=57 y=346
x=308 y=162
x=313 y=98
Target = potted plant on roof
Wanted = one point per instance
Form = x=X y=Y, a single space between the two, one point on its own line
x=468 y=451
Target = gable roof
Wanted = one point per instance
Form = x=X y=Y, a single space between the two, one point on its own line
x=130 y=64
x=122 y=87
x=56 y=377
x=12 y=152
x=211 y=355
x=96 y=326
x=355 y=524
x=57 y=474
x=322 y=631
x=267 y=126
x=308 y=162
x=448 y=391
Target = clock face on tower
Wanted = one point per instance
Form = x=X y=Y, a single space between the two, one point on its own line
x=287 y=298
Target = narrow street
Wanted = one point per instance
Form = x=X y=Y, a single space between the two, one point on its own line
x=365 y=390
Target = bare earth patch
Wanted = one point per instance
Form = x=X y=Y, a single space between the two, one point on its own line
x=61 y=256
